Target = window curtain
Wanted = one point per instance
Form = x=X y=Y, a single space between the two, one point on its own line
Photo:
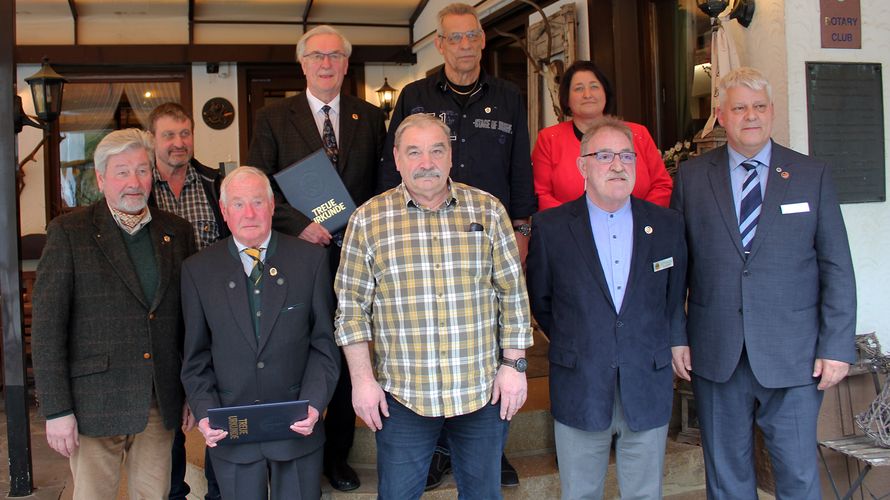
x=146 y=96
x=89 y=106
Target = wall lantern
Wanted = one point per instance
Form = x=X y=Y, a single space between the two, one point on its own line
x=46 y=91
x=386 y=96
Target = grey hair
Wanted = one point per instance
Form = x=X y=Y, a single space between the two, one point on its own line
x=456 y=9
x=607 y=122
x=241 y=172
x=119 y=141
x=421 y=120
x=744 y=76
x=322 y=29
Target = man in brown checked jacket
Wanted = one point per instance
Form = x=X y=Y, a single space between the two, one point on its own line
x=108 y=329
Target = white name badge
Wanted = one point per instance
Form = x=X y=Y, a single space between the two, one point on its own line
x=663 y=264
x=795 y=208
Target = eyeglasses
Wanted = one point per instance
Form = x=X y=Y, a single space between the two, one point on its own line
x=606 y=157
x=454 y=38
x=318 y=57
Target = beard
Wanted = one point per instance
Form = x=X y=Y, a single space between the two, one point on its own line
x=131 y=204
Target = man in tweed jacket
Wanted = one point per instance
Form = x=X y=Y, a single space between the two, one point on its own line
x=108 y=328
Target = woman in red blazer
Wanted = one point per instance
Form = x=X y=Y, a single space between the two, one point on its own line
x=586 y=95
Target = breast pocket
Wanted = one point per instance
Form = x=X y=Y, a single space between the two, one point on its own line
x=467 y=254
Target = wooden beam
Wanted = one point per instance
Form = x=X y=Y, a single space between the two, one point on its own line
x=191 y=22
x=304 y=23
x=73 y=9
x=414 y=15
x=306 y=14
x=185 y=54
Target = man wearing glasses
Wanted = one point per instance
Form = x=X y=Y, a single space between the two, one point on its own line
x=352 y=133
x=489 y=142
x=606 y=278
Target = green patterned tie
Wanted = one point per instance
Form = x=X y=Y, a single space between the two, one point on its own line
x=256 y=274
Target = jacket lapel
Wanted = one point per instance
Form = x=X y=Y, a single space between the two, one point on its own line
x=349 y=118
x=162 y=242
x=642 y=242
x=579 y=225
x=718 y=175
x=304 y=123
x=111 y=244
x=776 y=187
x=274 y=292
x=236 y=293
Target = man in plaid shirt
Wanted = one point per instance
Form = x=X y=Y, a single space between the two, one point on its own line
x=430 y=272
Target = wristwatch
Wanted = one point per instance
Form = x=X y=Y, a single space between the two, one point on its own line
x=523 y=229
x=519 y=365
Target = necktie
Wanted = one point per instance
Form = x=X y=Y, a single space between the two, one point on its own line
x=749 y=211
x=328 y=137
x=256 y=274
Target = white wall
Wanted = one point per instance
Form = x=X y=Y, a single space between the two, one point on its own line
x=33 y=207
x=867 y=223
x=214 y=146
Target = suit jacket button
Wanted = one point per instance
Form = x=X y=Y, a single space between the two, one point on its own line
x=146 y=355
x=151 y=316
x=261 y=365
x=619 y=324
x=745 y=273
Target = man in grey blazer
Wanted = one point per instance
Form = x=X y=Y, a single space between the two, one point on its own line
x=258 y=317
x=352 y=133
x=108 y=328
x=772 y=299
x=606 y=280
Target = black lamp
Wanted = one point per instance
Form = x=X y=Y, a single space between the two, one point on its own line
x=386 y=96
x=712 y=8
x=46 y=90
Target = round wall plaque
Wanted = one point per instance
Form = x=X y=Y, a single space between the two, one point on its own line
x=218 y=113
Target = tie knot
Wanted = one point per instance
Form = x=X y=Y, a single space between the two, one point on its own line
x=326 y=109
x=254 y=253
x=750 y=165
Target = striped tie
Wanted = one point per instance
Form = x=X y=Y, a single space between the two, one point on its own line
x=256 y=273
x=749 y=211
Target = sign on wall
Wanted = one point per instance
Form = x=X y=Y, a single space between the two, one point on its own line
x=841 y=24
x=845 y=112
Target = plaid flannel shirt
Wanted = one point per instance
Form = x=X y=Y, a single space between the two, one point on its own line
x=440 y=292
x=192 y=206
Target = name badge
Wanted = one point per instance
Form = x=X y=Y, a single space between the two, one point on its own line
x=663 y=264
x=795 y=208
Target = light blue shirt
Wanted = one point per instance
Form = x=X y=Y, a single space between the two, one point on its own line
x=247 y=260
x=737 y=172
x=613 y=237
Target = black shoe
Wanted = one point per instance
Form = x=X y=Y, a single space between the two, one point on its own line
x=439 y=466
x=342 y=476
x=509 y=476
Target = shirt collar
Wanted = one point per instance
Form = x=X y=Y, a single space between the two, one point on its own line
x=442 y=80
x=315 y=104
x=120 y=217
x=598 y=212
x=191 y=175
x=263 y=246
x=450 y=199
x=763 y=156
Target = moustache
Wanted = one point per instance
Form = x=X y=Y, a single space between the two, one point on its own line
x=427 y=173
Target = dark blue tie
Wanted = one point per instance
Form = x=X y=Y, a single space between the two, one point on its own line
x=328 y=137
x=749 y=211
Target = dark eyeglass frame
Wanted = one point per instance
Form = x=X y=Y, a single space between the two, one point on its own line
x=455 y=37
x=607 y=157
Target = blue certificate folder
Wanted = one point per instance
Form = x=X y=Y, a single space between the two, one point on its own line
x=314 y=187
x=260 y=422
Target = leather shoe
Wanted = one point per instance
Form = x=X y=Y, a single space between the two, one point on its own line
x=439 y=466
x=342 y=476
x=509 y=476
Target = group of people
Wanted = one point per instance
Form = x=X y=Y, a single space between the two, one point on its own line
x=186 y=290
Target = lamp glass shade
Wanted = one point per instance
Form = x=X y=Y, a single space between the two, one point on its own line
x=386 y=96
x=46 y=90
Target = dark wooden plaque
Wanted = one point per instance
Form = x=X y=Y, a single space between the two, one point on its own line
x=845 y=109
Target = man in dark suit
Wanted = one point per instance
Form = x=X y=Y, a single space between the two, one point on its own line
x=108 y=328
x=258 y=316
x=352 y=133
x=606 y=280
x=772 y=297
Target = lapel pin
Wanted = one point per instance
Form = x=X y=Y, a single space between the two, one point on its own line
x=231 y=284
x=166 y=238
x=488 y=109
x=355 y=116
x=785 y=175
x=273 y=271
x=280 y=281
x=647 y=229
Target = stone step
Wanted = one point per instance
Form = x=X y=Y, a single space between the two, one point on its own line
x=539 y=478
